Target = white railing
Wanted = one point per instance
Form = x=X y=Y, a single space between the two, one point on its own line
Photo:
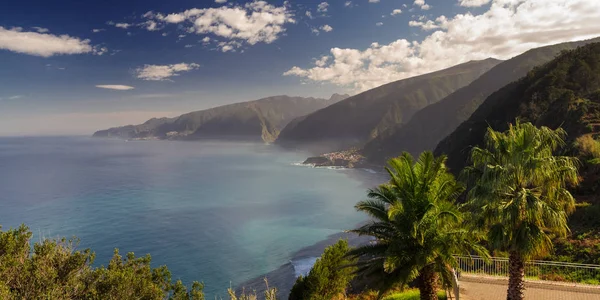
x=534 y=269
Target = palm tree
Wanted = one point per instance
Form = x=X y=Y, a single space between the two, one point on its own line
x=519 y=193
x=416 y=227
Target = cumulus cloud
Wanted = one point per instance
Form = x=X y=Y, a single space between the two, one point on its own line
x=122 y=25
x=41 y=29
x=158 y=72
x=322 y=7
x=348 y=4
x=506 y=29
x=220 y=1
x=423 y=23
x=396 y=11
x=309 y=14
x=473 y=3
x=42 y=44
x=423 y=5
x=96 y=30
x=326 y=28
x=379 y=24
x=255 y=22
x=116 y=87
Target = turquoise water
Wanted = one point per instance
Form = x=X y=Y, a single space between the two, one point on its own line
x=216 y=212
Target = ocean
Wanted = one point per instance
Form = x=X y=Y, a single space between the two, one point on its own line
x=217 y=212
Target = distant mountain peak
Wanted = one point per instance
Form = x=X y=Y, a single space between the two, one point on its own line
x=338 y=97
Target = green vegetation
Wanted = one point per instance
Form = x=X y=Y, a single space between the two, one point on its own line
x=588 y=148
x=256 y=120
x=53 y=269
x=357 y=119
x=412 y=295
x=520 y=195
x=417 y=226
x=433 y=123
x=328 y=278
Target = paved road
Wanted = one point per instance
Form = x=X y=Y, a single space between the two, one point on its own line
x=496 y=290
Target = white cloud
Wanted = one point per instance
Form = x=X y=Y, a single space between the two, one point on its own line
x=429 y=24
x=255 y=22
x=151 y=25
x=220 y=1
x=322 y=61
x=322 y=7
x=506 y=29
x=42 y=44
x=309 y=14
x=122 y=25
x=374 y=1
x=423 y=5
x=348 y=4
x=157 y=72
x=326 y=28
x=379 y=24
x=188 y=46
x=315 y=31
x=116 y=87
x=206 y=40
x=473 y=3
x=396 y=11
x=95 y=30
x=41 y=29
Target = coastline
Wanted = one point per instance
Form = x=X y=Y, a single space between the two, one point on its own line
x=284 y=277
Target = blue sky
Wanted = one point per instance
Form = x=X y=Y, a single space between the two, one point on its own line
x=71 y=67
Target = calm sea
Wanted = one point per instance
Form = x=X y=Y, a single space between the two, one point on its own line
x=216 y=212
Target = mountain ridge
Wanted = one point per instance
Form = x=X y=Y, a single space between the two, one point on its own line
x=260 y=119
x=431 y=124
x=362 y=117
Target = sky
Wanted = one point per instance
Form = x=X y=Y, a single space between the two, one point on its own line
x=74 y=67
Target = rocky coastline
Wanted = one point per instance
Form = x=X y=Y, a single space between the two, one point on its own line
x=344 y=159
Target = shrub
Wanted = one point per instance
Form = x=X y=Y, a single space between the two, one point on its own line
x=54 y=270
x=588 y=147
x=328 y=278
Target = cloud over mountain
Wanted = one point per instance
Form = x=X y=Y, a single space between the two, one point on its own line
x=507 y=28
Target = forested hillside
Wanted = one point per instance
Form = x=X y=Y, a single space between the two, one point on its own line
x=434 y=122
x=364 y=116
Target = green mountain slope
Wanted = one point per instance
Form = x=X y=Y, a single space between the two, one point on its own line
x=433 y=123
x=255 y=120
x=364 y=116
x=564 y=92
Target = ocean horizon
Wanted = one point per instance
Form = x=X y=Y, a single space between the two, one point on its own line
x=209 y=210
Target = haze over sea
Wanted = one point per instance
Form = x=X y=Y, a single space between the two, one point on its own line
x=217 y=212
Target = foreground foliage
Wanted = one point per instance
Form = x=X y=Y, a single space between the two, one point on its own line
x=53 y=269
x=520 y=193
x=417 y=227
x=329 y=276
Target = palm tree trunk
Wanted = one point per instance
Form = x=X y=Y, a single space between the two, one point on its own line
x=516 y=274
x=428 y=281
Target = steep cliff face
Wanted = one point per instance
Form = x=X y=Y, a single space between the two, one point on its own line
x=434 y=122
x=255 y=120
x=362 y=117
x=562 y=93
